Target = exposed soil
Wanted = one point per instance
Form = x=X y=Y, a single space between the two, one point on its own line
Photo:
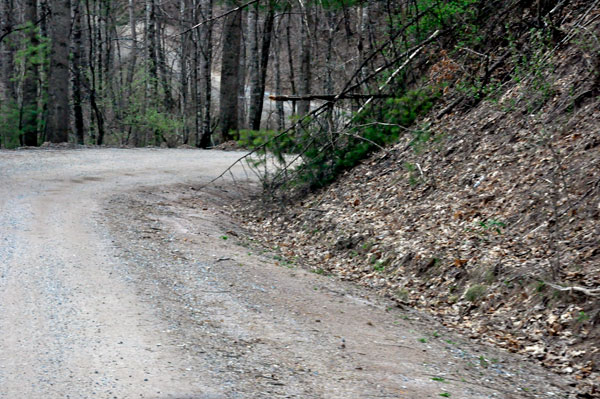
x=119 y=280
x=486 y=214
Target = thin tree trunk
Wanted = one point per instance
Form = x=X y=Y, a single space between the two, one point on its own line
x=242 y=98
x=133 y=131
x=183 y=71
x=291 y=67
x=253 y=62
x=153 y=61
x=305 y=67
x=277 y=66
x=7 y=49
x=207 y=30
x=93 y=91
x=29 y=106
x=77 y=65
x=230 y=76
x=58 y=81
x=197 y=40
x=257 y=93
x=162 y=63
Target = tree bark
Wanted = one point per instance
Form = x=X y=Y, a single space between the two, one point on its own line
x=305 y=67
x=29 y=105
x=230 y=63
x=277 y=67
x=77 y=65
x=205 y=140
x=132 y=64
x=8 y=92
x=253 y=63
x=58 y=80
x=257 y=92
x=183 y=78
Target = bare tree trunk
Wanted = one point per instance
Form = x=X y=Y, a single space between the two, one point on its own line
x=93 y=87
x=183 y=79
x=77 y=65
x=257 y=93
x=305 y=67
x=205 y=140
x=276 y=65
x=29 y=106
x=329 y=67
x=162 y=62
x=363 y=37
x=253 y=62
x=230 y=75
x=8 y=92
x=58 y=81
x=152 y=60
x=132 y=65
x=242 y=98
x=291 y=61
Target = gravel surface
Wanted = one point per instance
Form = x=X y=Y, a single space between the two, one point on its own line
x=118 y=279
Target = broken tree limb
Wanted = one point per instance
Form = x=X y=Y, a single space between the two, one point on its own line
x=397 y=71
x=586 y=291
x=328 y=97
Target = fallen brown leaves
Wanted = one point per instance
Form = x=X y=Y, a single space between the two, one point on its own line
x=501 y=215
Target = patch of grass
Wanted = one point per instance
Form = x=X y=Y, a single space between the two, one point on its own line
x=318 y=271
x=445 y=394
x=438 y=379
x=379 y=266
x=483 y=363
x=224 y=237
x=423 y=340
x=582 y=317
x=475 y=293
x=402 y=294
x=540 y=286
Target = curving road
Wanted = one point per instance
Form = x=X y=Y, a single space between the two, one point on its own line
x=68 y=326
x=112 y=288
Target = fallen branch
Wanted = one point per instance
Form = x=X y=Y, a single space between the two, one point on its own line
x=328 y=97
x=586 y=291
x=219 y=16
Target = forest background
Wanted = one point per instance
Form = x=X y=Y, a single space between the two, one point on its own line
x=445 y=153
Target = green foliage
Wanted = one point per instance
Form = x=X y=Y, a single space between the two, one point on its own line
x=492 y=224
x=35 y=48
x=475 y=293
x=323 y=162
x=33 y=53
x=582 y=316
x=441 y=15
x=532 y=67
x=161 y=124
x=267 y=141
x=379 y=266
x=9 y=125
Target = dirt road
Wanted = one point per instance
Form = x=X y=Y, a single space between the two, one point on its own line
x=119 y=280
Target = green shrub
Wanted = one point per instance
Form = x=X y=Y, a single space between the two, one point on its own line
x=475 y=293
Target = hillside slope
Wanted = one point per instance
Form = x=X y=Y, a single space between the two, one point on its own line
x=486 y=214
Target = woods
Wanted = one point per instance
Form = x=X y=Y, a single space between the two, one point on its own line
x=154 y=72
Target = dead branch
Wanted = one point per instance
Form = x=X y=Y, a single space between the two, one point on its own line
x=328 y=97
x=586 y=291
x=219 y=16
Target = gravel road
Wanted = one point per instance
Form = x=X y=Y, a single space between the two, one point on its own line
x=119 y=279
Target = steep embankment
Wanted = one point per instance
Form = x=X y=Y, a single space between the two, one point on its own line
x=486 y=215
